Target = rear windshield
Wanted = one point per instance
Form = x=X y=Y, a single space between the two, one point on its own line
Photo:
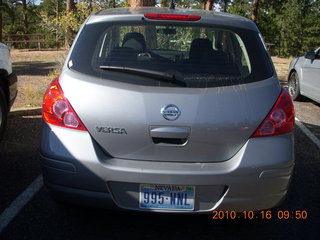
x=170 y=55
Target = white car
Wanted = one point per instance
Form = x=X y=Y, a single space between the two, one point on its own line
x=304 y=76
x=8 y=86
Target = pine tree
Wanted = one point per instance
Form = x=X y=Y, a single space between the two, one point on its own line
x=269 y=22
x=240 y=7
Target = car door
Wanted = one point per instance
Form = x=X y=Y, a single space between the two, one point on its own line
x=310 y=82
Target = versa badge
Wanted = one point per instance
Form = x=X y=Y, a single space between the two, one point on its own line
x=113 y=130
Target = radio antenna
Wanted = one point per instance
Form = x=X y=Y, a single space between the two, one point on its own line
x=172 y=5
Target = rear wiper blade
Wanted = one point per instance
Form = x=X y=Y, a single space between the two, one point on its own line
x=161 y=76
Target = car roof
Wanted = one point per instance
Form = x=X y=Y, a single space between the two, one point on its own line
x=209 y=17
x=2 y=45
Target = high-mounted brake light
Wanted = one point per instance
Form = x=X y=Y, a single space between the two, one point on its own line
x=57 y=110
x=280 y=120
x=172 y=17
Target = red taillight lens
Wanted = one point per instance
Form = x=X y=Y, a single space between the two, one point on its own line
x=281 y=118
x=57 y=110
x=172 y=17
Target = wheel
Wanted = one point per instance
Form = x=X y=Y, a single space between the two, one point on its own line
x=294 y=87
x=3 y=113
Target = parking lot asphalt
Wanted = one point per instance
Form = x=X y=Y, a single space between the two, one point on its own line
x=42 y=218
x=308 y=112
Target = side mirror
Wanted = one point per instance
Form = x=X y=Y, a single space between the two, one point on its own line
x=310 y=55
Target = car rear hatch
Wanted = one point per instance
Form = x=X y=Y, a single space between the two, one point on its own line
x=126 y=121
x=168 y=91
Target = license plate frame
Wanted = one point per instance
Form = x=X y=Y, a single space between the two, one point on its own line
x=166 y=197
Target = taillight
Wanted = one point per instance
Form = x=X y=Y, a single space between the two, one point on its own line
x=280 y=120
x=172 y=17
x=57 y=110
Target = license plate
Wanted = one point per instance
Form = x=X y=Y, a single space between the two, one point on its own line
x=153 y=196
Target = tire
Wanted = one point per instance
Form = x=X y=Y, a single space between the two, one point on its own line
x=294 y=86
x=3 y=113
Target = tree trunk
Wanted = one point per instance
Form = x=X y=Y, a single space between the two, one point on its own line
x=112 y=4
x=225 y=5
x=57 y=17
x=142 y=3
x=90 y=4
x=208 y=5
x=67 y=39
x=0 y=21
x=25 y=17
x=148 y=32
x=70 y=6
x=255 y=10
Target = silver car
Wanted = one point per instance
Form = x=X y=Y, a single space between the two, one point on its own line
x=169 y=111
x=304 y=76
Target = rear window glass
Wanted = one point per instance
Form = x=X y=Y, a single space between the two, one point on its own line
x=171 y=55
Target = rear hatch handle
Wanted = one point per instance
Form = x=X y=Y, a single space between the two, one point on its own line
x=170 y=135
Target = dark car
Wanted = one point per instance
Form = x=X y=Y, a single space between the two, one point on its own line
x=8 y=86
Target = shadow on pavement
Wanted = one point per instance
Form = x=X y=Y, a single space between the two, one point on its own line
x=19 y=150
x=34 y=68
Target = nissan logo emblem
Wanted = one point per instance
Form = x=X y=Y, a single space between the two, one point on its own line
x=170 y=112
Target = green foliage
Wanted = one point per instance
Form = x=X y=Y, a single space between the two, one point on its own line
x=58 y=22
x=292 y=26
x=197 y=4
x=241 y=7
x=12 y=17
x=181 y=40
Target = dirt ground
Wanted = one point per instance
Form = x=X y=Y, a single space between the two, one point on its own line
x=282 y=66
x=36 y=69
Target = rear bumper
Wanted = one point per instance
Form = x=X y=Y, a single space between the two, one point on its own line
x=75 y=169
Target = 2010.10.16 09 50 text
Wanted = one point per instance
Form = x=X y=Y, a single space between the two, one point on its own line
x=265 y=214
